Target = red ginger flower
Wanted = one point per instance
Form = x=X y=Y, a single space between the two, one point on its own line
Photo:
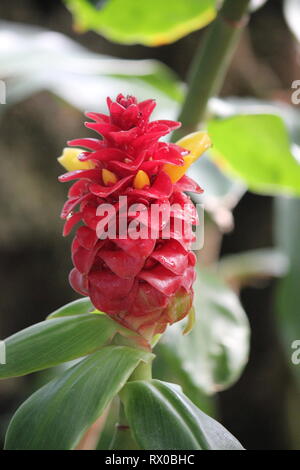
x=143 y=284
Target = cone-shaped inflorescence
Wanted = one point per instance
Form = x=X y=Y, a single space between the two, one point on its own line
x=134 y=262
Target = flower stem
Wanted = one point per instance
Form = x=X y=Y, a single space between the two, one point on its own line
x=210 y=63
x=123 y=439
x=142 y=372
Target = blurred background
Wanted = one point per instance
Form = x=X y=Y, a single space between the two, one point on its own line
x=51 y=79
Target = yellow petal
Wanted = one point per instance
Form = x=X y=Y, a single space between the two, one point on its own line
x=190 y=322
x=141 y=180
x=197 y=143
x=69 y=160
x=108 y=177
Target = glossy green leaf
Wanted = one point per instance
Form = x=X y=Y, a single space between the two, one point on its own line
x=77 y=307
x=54 y=341
x=56 y=416
x=215 y=352
x=256 y=149
x=163 y=418
x=133 y=21
x=287 y=229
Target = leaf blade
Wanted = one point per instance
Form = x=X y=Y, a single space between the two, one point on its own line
x=54 y=341
x=62 y=56
x=215 y=352
x=56 y=416
x=76 y=307
x=162 y=418
x=117 y=19
x=256 y=149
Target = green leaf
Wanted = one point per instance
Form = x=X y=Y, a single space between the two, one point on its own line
x=256 y=149
x=77 y=307
x=243 y=268
x=54 y=341
x=215 y=352
x=287 y=229
x=33 y=58
x=109 y=428
x=56 y=416
x=168 y=367
x=133 y=21
x=161 y=417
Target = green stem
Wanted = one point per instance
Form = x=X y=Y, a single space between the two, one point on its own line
x=210 y=63
x=142 y=372
x=123 y=439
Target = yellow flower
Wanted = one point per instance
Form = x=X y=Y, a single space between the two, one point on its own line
x=69 y=160
x=108 y=177
x=141 y=180
x=197 y=143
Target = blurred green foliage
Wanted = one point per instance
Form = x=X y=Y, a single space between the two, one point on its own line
x=133 y=21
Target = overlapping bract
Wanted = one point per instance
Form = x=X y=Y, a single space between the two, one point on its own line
x=142 y=283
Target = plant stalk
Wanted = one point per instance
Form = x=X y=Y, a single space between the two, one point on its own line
x=123 y=439
x=142 y=372
x=210 y=63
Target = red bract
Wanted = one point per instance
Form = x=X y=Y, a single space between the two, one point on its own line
x=143 y=284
